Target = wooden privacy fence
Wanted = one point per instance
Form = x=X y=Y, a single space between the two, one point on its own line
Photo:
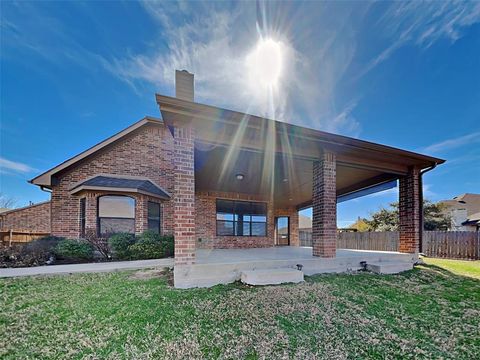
x=305 y=237
x=445 y=244
x=452 y=244
x=380 y=241
x=9 y=237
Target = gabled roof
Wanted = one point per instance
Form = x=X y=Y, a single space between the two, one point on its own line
x=8 y=211
x=122 y=184
x=45 y=179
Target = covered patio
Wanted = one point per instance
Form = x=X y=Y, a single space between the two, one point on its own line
x=224 y=155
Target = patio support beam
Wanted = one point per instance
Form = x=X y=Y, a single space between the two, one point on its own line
x=410 y=209
x=184 y=196
x=324 y=222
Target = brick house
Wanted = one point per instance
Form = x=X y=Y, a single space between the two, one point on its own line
x=220 y=179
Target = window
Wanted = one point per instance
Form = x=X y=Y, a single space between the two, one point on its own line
x=116 y=214
x=82 y=216
x=241 y=218
x=154 y=223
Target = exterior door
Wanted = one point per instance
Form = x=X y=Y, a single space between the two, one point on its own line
x=282 y=230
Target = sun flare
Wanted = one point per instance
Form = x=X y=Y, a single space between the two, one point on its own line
x=265 y=62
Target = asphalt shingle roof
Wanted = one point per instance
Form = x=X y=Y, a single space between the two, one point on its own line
x=122 y=183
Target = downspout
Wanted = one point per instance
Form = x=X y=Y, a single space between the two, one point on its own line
x=420 y=245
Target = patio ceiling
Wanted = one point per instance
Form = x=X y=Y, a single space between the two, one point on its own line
x=288 y=180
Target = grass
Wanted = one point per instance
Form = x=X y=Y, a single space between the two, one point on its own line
x=459 y=267
x=429 y=312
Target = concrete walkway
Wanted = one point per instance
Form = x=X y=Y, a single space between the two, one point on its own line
x=86 y=268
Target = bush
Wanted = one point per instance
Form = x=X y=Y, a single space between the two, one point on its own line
x=74 y=249
x=43 y=246
x=99 y=244
x=34 y=253
x=168 y=243
x=120 y=245
x=148 y=246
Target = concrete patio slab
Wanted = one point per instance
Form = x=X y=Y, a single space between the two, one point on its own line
x=223 y=266
x=271 y=276
x=86 y=268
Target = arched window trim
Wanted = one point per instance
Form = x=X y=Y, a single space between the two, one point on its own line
x=99 y=230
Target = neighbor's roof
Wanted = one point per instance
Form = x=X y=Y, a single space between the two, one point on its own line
x=468 y=201
x=472 y=219
x=45 y=179
x=8 y=211
x=304 y=222
x=122 y=184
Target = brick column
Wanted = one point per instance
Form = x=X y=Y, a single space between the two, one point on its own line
x=184 y=196
x=410 y=208
x=324 y=222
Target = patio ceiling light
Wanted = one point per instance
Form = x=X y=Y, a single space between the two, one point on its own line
x=240 y=177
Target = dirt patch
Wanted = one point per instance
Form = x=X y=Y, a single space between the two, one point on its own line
x=149 y=274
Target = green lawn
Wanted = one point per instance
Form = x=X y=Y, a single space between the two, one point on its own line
x=429 y=312
x=459 y=267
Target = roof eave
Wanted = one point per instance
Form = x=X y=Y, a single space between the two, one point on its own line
x=188 y=110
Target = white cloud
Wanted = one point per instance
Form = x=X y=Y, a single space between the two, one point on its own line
x=215 y=43
x=321 y=41
x=14 y=166
x=422 y=23
x=454 y=143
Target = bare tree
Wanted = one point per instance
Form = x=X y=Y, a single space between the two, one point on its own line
x=7 y=202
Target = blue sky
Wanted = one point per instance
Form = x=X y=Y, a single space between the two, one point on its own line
x=406 y=74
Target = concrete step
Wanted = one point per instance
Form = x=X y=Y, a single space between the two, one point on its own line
x=389 y=267
x=271 y=276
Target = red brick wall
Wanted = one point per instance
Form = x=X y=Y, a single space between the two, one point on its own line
x=146 y=152
x=32 y=218
x=409 y=211
x=205 y=223
x=324 y=221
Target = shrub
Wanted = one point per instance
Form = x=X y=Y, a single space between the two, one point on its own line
x=34 y=253
x=74 y=249
x=42 y=246
x=168 y=243
x=99 y=244
x=148 y=246
x=120 y=243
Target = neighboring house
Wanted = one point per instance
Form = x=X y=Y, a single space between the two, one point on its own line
x=305 y=230
x=217 y=179
x=464 y=211
x=31 y=218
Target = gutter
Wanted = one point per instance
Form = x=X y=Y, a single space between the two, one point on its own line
x=43 y=188
x=433 y=166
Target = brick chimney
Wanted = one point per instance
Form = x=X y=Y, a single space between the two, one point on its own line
x=184 y=85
